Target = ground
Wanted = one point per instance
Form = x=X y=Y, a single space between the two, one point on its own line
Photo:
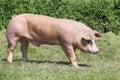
x=50 y=63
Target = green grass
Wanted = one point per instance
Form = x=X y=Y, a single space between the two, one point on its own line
x=50 y=63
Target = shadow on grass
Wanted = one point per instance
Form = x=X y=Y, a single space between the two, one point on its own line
x=47 y=61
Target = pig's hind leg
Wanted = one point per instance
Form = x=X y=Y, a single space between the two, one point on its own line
x=12 y=41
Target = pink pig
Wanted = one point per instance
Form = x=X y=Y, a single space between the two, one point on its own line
x=40 y=29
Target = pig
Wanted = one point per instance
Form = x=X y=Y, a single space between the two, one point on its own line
x=41 y=29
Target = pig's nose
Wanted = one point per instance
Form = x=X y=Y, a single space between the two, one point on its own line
x=96 y=51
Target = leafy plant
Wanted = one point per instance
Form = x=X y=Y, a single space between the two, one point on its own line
x=102 y=15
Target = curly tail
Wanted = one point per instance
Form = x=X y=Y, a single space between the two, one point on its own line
x=14 y=15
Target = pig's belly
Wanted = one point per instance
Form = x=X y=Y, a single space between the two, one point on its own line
x=49 y=42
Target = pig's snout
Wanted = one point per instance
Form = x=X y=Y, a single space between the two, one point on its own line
x=94 y=51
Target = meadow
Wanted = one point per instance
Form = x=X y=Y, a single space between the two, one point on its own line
x=50 y=63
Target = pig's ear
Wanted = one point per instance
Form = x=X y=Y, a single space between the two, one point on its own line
x=97 y=34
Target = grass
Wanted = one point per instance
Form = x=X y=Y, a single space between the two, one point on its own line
x=50 y=63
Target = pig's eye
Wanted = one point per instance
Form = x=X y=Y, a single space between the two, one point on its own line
x=85 y=42
x=88 y=41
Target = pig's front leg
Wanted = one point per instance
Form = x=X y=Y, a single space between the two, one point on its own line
x=69 y=51
x=24 y=47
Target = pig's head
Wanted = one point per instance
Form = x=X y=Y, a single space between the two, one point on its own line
x=87 y=43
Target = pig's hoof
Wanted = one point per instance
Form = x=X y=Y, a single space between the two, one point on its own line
x=25 y=60
x=75 y=65
x=9 y=60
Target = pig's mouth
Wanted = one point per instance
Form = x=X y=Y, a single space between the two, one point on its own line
x=92 y=52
